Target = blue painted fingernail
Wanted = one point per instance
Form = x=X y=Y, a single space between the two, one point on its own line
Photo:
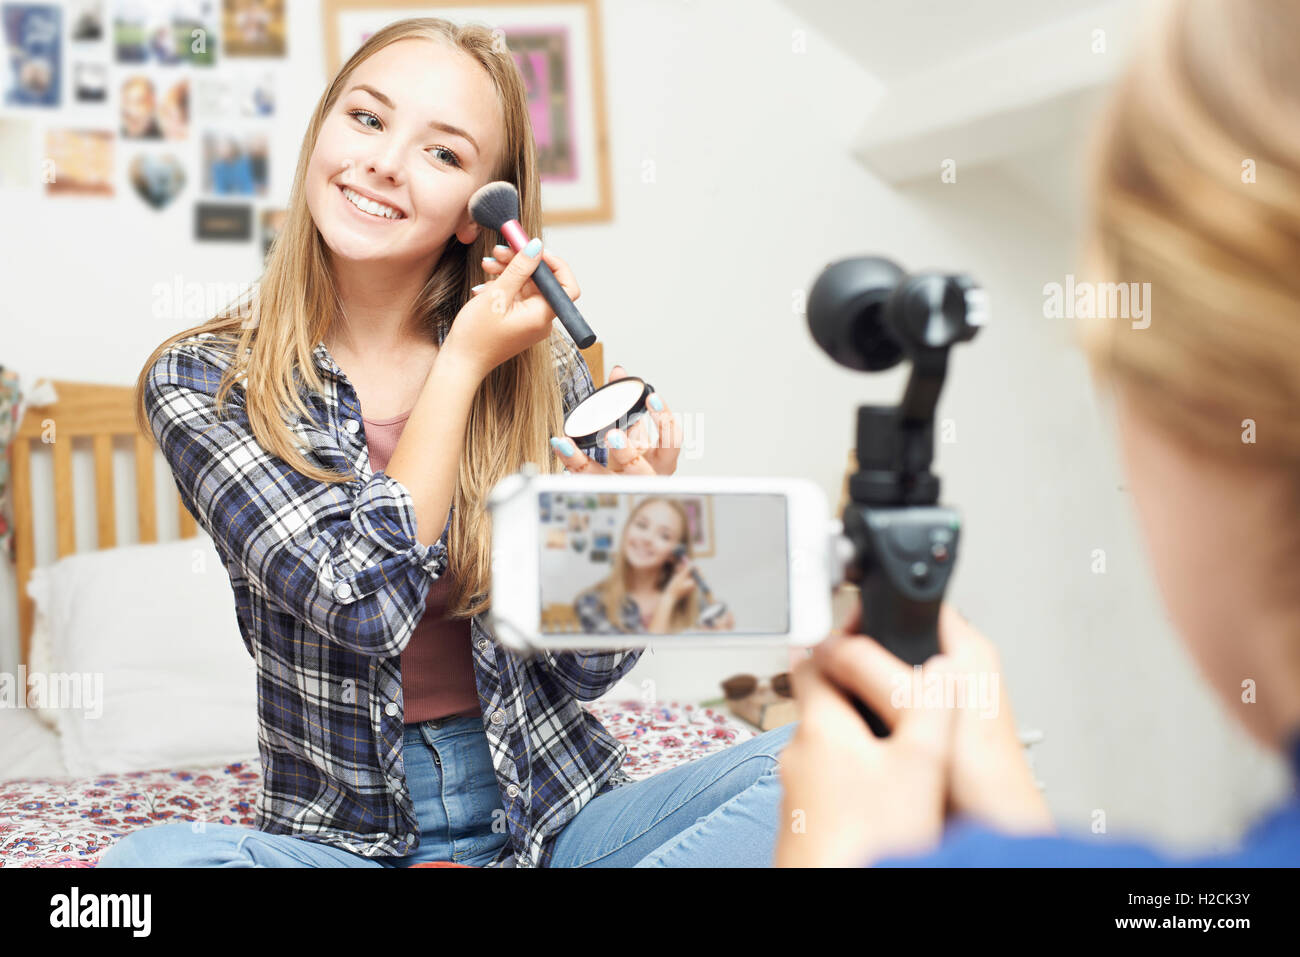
x=533 y=248
x=563 y=446
x=478 y=287
x=489 y=260
x=617 y=441
x=656 y=403
x=501 y=249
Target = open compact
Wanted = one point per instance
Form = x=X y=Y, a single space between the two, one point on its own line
x=616 y=405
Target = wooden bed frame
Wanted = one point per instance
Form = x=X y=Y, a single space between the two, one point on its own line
x=102 y=413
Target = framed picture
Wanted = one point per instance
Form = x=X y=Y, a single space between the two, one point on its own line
x=557 y=46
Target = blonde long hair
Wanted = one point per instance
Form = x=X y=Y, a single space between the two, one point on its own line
x=272 y=331
x=613 y=590
x=1195 y=180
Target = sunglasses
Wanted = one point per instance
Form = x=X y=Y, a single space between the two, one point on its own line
x=739 y=686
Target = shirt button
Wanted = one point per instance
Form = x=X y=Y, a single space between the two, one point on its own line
x=410 y=839
x=342 y=591
x=513 y=790
x=497 y=717
x=482 y=644
x=352 y=425
x=390 y=709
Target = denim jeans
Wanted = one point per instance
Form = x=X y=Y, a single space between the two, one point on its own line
x=722 y=810
x=719 y=811
x=450 y=777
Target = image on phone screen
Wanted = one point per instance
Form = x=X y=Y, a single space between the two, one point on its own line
x=630 y=563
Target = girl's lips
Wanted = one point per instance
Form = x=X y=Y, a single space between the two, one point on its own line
x=361 y=212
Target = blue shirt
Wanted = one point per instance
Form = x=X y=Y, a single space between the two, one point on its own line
x=330 y=582
x=1273 y=841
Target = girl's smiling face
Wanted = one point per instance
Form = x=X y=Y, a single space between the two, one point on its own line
x=652 y=535
x=417 y=130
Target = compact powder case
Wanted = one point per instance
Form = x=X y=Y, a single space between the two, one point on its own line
x=616 y=405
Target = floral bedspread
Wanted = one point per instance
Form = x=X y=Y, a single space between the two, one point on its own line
x=50 y=822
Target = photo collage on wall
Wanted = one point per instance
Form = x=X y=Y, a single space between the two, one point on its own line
x=153 y=102
x=580 y=522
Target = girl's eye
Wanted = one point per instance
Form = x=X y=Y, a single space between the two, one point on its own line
x=360 y=113
x=452 y=159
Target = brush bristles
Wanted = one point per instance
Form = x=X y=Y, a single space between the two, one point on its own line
x=494 y=205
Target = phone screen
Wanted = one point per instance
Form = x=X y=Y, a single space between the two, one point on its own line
x=637 y=563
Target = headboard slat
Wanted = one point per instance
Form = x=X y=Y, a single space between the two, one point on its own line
x=144 y=495
x=24 y=540
x=106 y=525
x=65 y=512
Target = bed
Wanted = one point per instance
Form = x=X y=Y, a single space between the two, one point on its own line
x=121 y=726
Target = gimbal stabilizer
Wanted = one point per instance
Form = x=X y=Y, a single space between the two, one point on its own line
x=898 y=545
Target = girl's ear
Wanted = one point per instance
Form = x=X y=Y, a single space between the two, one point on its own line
x=468 y=233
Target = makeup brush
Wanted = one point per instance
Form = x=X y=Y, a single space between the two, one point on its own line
x=714 y=609
x=496 y=206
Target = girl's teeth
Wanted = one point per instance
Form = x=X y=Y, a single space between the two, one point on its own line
x=371 y=207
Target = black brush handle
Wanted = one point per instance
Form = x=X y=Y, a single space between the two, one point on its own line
x=564 y=308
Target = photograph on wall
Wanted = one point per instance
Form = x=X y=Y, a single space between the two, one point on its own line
x=157 y=178
x=31 y=32
x=80 y=162
x=223 y=222
x=235 y=163
x=221 y=96
x=253 y=27
x=153 y=108
x=90 y=82
x=17 y=153
x=270 y=221
x=165 y=34
x=85 y=21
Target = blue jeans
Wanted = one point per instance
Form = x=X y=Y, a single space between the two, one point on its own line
x=718 y=811
x=450 y=777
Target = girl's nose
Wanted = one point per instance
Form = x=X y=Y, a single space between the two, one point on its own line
x=384 y=162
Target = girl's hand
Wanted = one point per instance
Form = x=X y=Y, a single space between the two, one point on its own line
x=726 y=623
x=851 y=798
x=656 y=436
x=650 y=447
x=991 y=779
x=681 y=583
x=506 y=314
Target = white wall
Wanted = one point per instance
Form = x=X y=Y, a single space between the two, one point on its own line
x=694 y=285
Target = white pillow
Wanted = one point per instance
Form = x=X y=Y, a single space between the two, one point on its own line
x=156 y=623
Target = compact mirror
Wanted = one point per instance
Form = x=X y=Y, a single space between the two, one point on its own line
x=617 y=405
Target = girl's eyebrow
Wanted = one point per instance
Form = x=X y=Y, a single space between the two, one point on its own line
x=436 y=124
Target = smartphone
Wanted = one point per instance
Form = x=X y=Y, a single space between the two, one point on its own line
x=620 y=561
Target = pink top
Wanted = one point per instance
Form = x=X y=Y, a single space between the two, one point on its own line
x=437 y=664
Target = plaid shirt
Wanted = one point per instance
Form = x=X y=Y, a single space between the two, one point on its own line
x=330 y=582
x=594 y=619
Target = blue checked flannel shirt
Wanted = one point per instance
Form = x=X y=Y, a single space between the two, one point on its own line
x=330 y=582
